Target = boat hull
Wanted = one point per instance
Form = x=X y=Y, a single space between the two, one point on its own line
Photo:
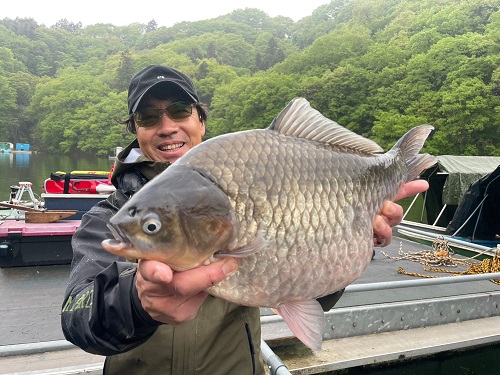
x=23 y=244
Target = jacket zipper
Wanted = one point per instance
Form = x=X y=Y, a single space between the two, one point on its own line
x=252 y=348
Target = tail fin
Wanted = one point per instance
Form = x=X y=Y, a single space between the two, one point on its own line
x=409 y=147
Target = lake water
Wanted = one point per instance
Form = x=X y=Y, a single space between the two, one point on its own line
x=37 y=167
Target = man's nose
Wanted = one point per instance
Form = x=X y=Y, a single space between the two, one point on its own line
x=166 y=123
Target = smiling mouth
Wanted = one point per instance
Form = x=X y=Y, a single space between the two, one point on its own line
x=172 y=147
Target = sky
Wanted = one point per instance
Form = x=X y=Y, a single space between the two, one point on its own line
x=165 y=13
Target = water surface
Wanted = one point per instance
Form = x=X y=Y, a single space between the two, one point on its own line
x=37 y=167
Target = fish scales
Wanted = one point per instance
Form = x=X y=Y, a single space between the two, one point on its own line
x=294 y=202
x=280 y=196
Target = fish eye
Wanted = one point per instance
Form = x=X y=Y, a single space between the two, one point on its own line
x=151 y=224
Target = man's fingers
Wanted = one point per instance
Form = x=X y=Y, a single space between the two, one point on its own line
x=193 y=281
x=412 y=188
x=382 y=232
x=391 y=213
x=185 y=283
x=154 y=272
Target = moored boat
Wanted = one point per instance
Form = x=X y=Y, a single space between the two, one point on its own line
x=33 y=244
x=6 y=147
x=76 y=190
x=38 y=230
x=461 y=205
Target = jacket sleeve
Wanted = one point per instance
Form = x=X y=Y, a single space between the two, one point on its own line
x=101 y=312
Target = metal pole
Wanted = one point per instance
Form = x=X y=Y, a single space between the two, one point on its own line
x=420 y=282
x=411 y=205
x=276 y=365
x=446 y=237
x=472 y=214
x=36 y=347
x=440 y=213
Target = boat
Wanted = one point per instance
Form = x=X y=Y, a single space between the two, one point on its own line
x=6 y=147
x=22 y=148
x=36 y=230
x=32 y=235
x=76 y=190
x=16 y=206
x=36 y=244
x=32 y=210
x=383 y=319
x=461 y=205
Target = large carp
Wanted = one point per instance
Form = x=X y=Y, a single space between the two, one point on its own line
x=294 y=202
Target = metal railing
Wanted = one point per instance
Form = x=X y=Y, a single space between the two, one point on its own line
x=275 y=364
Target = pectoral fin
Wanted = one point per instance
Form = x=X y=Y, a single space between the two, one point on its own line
x=255 y=246
x=307 y=321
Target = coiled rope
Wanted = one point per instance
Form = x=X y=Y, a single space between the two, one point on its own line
x=440 y=259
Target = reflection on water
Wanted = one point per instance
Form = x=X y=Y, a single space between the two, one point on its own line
x=36 y=167
x=6 y=159
x=22 y=160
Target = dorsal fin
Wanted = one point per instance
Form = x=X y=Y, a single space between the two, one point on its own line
x=300 y=120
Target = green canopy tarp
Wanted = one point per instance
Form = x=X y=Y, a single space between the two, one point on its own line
x=449 y=179
x=462 y=172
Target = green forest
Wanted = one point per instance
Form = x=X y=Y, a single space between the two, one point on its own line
x=377 y=67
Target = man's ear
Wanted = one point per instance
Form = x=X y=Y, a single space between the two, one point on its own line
x=203 y=129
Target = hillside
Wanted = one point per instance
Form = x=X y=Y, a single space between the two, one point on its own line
x=377 y=67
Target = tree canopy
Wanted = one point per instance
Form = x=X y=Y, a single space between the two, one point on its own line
x=378 y=68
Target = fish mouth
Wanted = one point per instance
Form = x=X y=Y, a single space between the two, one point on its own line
x=119 y=235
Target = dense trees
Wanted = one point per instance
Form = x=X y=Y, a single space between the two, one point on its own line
x=378 y=68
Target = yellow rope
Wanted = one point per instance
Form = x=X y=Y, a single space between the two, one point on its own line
x=442 y=256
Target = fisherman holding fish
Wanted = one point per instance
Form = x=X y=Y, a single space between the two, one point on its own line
x=147 y=317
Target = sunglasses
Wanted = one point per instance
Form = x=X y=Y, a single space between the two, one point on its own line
x=145 y=118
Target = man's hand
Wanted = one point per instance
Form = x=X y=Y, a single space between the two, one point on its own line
x=391 y=213
x=175 y=297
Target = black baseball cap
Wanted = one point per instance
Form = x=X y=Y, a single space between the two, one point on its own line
x=153 y=75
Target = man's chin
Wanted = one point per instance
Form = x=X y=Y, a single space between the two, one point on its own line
x=167 y=156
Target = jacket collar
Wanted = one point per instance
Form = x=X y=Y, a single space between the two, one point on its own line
x=149 y=168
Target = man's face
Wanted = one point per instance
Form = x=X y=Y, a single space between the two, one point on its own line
x=169 y=139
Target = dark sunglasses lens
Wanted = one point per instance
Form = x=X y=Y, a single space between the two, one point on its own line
x=147 y=117
x=179 y=110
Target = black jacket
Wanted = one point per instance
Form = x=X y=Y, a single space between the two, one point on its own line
x=102 y=313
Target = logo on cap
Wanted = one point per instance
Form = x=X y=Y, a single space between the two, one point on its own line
x=160 y=77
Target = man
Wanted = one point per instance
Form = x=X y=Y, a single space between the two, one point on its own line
x=146 y=318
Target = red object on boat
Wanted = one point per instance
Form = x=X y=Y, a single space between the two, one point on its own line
x=78 y=182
